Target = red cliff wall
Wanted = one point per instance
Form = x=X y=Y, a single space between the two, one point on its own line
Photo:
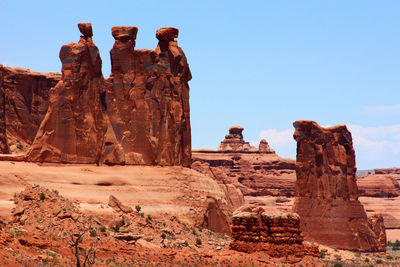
x=24 y=98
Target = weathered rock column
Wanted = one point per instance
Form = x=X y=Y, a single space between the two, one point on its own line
x=148 y=99
x=74 y=127
x=326 y=190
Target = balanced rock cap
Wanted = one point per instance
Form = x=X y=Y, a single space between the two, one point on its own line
x=124 y=32
x=86 y=29
x=236 y=130
x=167 y=34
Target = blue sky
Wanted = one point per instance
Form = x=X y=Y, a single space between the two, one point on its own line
x=258 y=64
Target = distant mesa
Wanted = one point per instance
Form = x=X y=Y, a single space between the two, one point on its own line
x=234 y=142
x=245 y=169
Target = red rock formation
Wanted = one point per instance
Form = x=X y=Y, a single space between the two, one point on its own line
x=148 y=100
x=378 y=185
x=392 y=171
x=25 y=98
x=74 y=127
x=3 y=138
x=278 y=234
x=215 y=218
x=256 y=172
x=326 y=189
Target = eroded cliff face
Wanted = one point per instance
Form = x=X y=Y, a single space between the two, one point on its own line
x=326 y=190
x=148 y=100
x=24 y=98
x=74 y=127
x=3 y=138
x=278 y=234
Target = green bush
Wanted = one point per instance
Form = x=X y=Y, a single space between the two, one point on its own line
x=379 y=261
x=138 y=208
x=42 y=196
x=338 y=264
x=198 y=241
x=322 y=254
x=116 y=228
x=93 y=233
x=163 y=235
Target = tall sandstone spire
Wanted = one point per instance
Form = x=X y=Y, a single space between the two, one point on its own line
x=148 y=99
x=327 y=193
x=74 y=126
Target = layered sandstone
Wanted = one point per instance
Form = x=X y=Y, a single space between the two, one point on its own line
x=390 y=171
x=378 y=185
x=148 y=100
x=326 y=190
x=256 y=172
x=23 y=104
x=278 y=234
x=74 y=127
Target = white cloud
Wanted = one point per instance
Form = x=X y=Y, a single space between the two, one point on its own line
x=281 y=141
x=375 y=147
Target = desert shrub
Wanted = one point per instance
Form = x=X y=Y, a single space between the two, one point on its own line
x=366 y=260
x=163 y=235
x=149 y=219
x=117 y=226
x=379 y=261
x=389 y=257
x=198 y=241
x=102 y=228
x=338 y=264
x=194 y=232
x=186 y=244
x=337 y=257
x=141 y=214
x=138 y=208
x=93 y=233
x=42 y=196
x=322 y=254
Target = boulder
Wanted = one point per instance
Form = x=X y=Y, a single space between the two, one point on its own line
x=326 y=189
x=278 y=234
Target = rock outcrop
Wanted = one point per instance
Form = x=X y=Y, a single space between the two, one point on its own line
x=139 y=116
x=3 y=134
x=24 y=98
x=378 y=185
x=256 y=172
x=326 y=190
x=148 y=100
x=74 y=127
x=278 y=234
